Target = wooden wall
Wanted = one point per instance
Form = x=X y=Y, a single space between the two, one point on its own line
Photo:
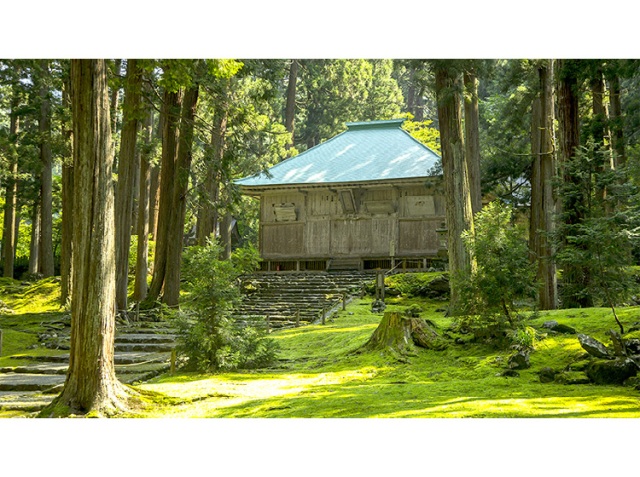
x=320 y=223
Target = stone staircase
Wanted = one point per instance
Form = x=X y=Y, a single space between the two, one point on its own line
x=286 y=299
x=142 y=351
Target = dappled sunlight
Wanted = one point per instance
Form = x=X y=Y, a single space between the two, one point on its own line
x=325 y=330
x=222 y=391
x=584 y=406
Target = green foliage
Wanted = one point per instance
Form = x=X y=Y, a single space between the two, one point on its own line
x=410 y=284
x=423 y=132
x=209 y=336
x=597 y=230
x=505 y=130
x=332 y=92
x=503 y=277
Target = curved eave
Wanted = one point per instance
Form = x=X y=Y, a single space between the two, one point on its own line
x=260 y=190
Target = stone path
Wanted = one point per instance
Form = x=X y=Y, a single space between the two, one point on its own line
x=142 y=352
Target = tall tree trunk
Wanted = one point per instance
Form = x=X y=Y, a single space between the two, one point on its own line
x=91 y=383
x=569 y=128
x=419 y=105
x=154 y=188
x=456 y=177
x=209 y=199
x=225 y=236
x=115 y=96
x=135 y=194
x=171 y=111
x=46 y=265
x=472 y=138
x=615 y=112
x=34 y=247
x=142 y=256
x=290 y=111
x=126 y=175
x=66 y=248
x=600 y=129
x=542 y=194
x=154 y=200
x=176 y=223
x=9 y=235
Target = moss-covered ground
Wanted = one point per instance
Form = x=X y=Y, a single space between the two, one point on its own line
x=320 y=374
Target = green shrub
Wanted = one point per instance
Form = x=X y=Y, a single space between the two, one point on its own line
x=209 y=336
x=503 y=277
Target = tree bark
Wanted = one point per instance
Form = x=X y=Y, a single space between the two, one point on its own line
x=459 y=214
x=154 y=199
x=126 y=175
x=209 y=199
x=179 y=204
x=225 y=236
x=66 y=248
x=569 y=129
x=600 y=130
x=46 y=265
x=171 y=110
x=142 y=256
x=472 y=138
x=542 y=193
x=400 y=334
x=91 y=383
x=290 y=110
x=9 y=235
x=615 y=111
x=34 y=247
x=115 y=95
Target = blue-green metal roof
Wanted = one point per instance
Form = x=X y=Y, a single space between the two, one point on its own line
x=366 y=151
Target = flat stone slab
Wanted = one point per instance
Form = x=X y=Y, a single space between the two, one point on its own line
x=24 y=401
x=146 y=331
x=44 y=368
x=144 y=338
x=60 y=358
x=155 y=367
x=121 y=357
x=138 y=357
x=29 y=382
x=148 y=347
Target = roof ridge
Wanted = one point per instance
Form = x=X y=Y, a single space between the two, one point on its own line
x=384 y=123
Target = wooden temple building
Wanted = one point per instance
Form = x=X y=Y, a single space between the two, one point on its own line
x=368 y=198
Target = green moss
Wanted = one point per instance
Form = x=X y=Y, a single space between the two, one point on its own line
x=39 y=297
x=14 y=342
x=320 y=375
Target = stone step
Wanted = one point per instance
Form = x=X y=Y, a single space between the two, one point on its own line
x=124 y=357
x=43 y=368
x=29 y=382
x=145 y=331
x=61 y=368
x=147 y=347
x=144 y=338
x=28 y=401
x=137 y=368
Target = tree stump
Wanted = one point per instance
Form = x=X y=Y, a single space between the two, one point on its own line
x=400 y=334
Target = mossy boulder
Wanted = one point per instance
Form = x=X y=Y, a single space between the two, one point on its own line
x=547 y=374
x=602 y=371
x=594 y=347
x=572 y=377
x=519 y=360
